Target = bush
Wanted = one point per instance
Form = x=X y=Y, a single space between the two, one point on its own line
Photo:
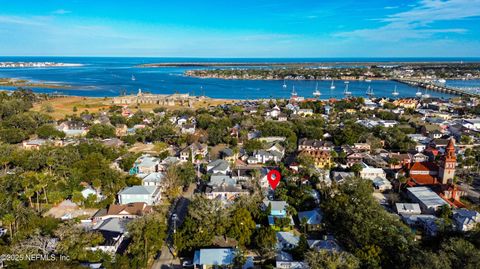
x=12 y=136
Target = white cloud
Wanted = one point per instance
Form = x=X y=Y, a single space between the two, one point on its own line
x=26 y=21
x=417 y=21
x=429 y=11
x=61 y=12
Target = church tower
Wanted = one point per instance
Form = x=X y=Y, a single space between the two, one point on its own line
x=447 y=164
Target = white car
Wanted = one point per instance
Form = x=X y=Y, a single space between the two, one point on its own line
x=67 y=216
x=187 y=264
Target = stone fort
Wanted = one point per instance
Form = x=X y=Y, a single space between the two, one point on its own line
x=181 y=99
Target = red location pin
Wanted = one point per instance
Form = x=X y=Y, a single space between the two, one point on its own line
x=273 y=178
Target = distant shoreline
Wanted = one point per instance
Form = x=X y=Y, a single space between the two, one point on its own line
x=13 y=82
x=297 y=64
x=37 y=64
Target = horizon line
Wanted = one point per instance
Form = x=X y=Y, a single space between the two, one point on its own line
x=216 y=57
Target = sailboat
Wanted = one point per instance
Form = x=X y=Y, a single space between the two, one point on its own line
x=426 y=95
x=284 y=84
x=419 y=93
x=395 y=92
x=370 y=91
x=317 y=93
x=294 y=93
x=347 y=92
x=133 y=78
x=332 y=87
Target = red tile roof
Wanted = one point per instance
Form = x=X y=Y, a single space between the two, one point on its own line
x=424 y=166
x=424 y=180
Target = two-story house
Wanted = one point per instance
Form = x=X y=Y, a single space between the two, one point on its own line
x=143 y=194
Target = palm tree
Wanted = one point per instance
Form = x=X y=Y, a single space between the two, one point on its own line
x=29 y=194
x=27 y=189
x=43 y=180
x=37 y=189
x=9 y=220
x=401 y=180
x=304 y=223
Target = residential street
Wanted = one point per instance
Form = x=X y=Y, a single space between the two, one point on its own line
x=167 y=260
x=471 y=191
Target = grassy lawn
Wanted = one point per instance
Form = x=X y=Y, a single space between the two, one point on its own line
x=65 y=105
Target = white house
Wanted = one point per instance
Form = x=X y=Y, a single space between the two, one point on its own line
x=408 y=208
x=113 y=231
x=218 y=166
x=274 y=112
x=371 y=173
x=420 y=158
x=147 y=194
x=387 y=123
x=188 y=129
x=225 y=193
x=263 y=156
x=145 y=164
x=153 y=179
x=87 y=191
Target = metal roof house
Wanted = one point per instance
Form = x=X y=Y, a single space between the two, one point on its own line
x=146 y=194
x=429 y=201
x=287 y=240
x=408 y=208
x=145 y=164
x=218 y=166
x=313 y=218
x=465 y=219
x=113 y=231
x=153 y=179
x=278 y=208
x=217 y=258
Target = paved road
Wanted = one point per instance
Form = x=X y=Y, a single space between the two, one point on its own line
x=471 y=191
x=167 y=260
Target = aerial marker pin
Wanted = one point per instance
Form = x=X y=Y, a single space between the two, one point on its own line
x=273 y=178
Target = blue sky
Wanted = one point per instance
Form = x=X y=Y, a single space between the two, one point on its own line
x=247 y=28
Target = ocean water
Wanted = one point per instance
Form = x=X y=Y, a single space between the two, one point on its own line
x=109 y=76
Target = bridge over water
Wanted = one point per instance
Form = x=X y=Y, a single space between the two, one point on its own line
x=437 y=87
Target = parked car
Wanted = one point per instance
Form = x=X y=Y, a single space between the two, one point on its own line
x=187 y=264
